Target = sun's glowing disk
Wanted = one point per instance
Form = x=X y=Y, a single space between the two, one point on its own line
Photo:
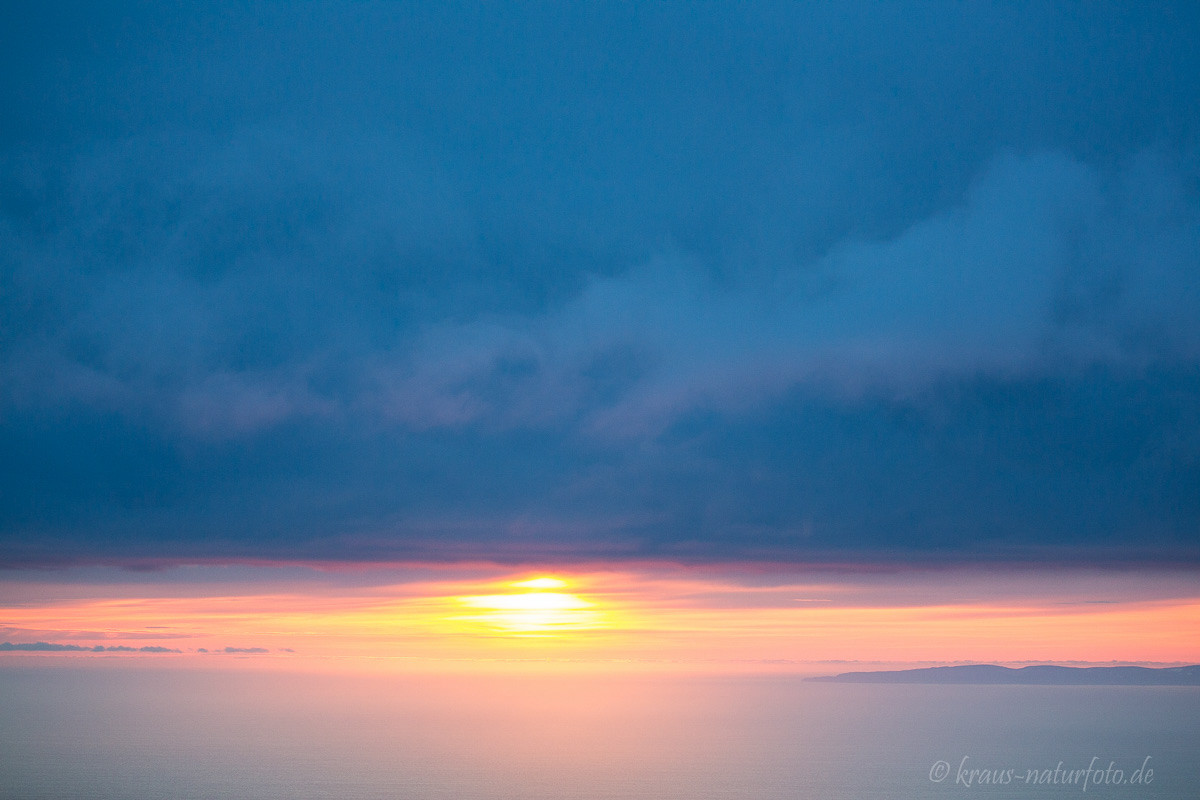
x=534 y=613
x=540 y=583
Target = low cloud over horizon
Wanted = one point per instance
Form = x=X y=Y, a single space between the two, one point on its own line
x=918 y=284
x=55 y=647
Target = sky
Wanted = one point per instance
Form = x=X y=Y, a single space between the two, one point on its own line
x=472 y=619
x=601 y=289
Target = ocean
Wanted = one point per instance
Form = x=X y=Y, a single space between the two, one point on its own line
x=143 y=733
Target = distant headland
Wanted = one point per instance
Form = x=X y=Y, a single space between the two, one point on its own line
x=1042 y=675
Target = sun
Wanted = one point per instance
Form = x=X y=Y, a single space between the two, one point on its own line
x=540 y=583
x=532 y=610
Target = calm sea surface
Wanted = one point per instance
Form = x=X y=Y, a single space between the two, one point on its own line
x=136 y=734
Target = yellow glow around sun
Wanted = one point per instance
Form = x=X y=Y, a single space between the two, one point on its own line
x=533 y=613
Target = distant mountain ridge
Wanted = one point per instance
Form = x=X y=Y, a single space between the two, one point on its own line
x=1034 y=676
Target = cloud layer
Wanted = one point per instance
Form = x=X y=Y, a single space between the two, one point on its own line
x=825 y=285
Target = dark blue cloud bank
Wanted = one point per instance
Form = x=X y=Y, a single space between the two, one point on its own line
x=910 y=282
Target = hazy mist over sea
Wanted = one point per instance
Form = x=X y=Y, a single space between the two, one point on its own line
x=145 y=734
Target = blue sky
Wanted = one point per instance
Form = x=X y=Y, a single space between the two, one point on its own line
x=842 y=283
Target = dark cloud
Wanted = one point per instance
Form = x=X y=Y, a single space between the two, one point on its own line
x=913 y=281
